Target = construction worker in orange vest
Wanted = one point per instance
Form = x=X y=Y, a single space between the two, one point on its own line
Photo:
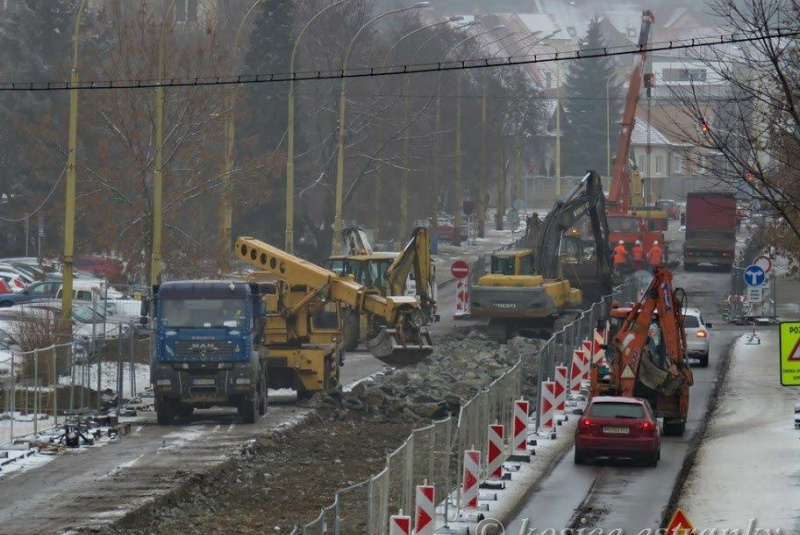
x=620 y=257
x=637 y=253
x=656 y=255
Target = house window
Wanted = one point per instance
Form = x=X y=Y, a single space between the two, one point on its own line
x=677 y=165
x=659 y=165
x=642 y=164
x=684 y=75
x=186 y=11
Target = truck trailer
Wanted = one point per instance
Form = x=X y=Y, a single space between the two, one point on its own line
x=710 y=230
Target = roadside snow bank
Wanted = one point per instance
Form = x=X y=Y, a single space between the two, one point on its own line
x=748 y=466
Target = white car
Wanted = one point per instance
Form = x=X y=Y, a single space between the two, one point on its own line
x=697 y=336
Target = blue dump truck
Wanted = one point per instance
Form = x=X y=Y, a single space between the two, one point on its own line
x=205 y=350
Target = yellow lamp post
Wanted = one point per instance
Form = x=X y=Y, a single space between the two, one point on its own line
x=226 y=209
x=289 y=240
x=337 y=222
x=458 y=193
x=158 y=178
x=69 y=220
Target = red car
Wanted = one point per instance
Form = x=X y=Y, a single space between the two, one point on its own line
x=671 y=207
x=102 y=266
x=618 y=428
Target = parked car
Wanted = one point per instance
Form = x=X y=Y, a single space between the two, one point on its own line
x=671 y=207
x=14 y=282
x=445 y=229
x=102 y=266
x=697 y=336
x=49 y=289
x=618 y=428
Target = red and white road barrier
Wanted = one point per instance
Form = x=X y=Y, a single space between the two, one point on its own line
x=425 y=510
x=469 y=487
x=548 y=406
x=598 y=353
x=588 y=348
x=579 y=371
x=400 y=524
x=494 y=457
x=462 y=297
x=520 y=440
x=560 y=393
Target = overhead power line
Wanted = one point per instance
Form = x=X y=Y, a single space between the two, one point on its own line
x=403 y=69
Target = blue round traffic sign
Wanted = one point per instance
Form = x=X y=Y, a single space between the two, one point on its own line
x=754 y=275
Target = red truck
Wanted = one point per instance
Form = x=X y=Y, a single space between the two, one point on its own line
x=710 y=230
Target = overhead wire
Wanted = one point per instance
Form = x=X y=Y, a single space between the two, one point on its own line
x=401 y=69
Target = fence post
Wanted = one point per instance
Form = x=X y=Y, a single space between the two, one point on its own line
x=119 y=368
x=55 y=387
x=13 y=396
x=35 y=392
x=132 y=350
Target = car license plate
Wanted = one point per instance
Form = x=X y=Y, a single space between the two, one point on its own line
x=616 y=430
x=204 y=382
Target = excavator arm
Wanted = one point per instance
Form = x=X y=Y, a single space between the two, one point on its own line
x=585 y=199
x=619 y=195
x=633 y=361
x=404 y=341
x=416 y=257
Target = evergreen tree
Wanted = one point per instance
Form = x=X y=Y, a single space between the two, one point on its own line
x=263 y=130
x=584 y=124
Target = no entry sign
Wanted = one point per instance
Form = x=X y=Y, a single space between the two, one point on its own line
x=460 y=269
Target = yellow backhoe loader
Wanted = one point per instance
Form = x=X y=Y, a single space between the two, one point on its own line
x=302 y=325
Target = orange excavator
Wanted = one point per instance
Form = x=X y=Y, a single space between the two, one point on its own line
x=628 y=219
x=647 y=354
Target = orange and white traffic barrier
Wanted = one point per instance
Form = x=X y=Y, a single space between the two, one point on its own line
x=547 y=415
x=494 y=457
x=425 y=510
x=462 y=298
x=400 y=524
x=469 y=486
x=578 y=372
x=561 y=389
x=521 y=420
x=588 y=347
x=598 y=353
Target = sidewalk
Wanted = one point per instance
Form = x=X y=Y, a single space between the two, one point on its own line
x=749 y=463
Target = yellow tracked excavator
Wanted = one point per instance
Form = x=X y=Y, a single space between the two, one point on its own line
x=302 y=324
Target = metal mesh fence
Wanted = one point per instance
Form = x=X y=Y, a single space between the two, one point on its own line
x=435 y=453
x=41 y=387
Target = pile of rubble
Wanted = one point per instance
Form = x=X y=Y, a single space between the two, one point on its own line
x=459 y=368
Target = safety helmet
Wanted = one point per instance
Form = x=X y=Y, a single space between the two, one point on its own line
x=621 y=242
x=638 y=242
x=655 y=243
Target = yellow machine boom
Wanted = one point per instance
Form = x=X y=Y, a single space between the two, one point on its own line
x=404 y=341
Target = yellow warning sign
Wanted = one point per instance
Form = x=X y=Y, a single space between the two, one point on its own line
x=790 y=353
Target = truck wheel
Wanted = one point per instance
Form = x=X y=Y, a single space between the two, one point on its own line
x=185 y=411
x=674 y=429
x=703 y=361
x=350 y=332
x=248 y=408
x=164 y=412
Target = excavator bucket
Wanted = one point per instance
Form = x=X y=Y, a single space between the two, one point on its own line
x=389 y=349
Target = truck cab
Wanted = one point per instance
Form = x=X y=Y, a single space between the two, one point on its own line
x=204 y=351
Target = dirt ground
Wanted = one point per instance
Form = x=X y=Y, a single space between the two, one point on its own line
x=279 y=481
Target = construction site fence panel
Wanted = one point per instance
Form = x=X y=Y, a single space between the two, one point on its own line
x=41 y=388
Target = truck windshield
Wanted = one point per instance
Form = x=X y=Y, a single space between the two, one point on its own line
x=203 y=313
x=623 y=224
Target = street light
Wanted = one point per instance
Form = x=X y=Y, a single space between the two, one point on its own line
x=558 y=120
x=608 y=125
x=226 y=219
x=531 y=45
x=69 y=220
x=158 y=178
x=290 y=134
x=435 y=203
x=406 y=118
x=458 y=193
x=337 y=221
